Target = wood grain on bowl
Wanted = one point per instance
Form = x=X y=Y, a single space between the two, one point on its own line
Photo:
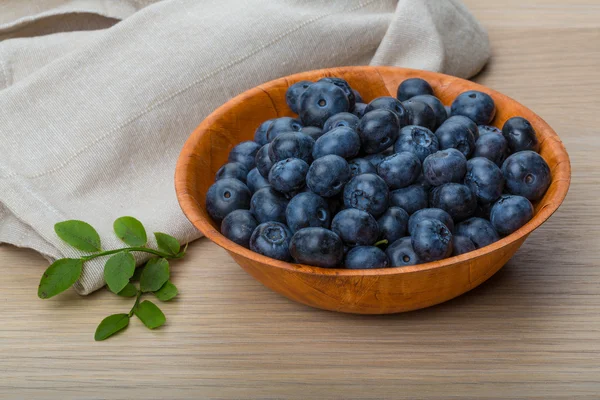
x=378 y=291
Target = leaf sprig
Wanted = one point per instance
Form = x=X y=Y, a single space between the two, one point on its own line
x=120 y=273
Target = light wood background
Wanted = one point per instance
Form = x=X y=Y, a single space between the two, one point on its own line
x=532 y=331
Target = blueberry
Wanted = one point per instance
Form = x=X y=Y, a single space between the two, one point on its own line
x=268 y=205
x=400 y=169
x=411 y=198
x=361 y=166
x=226 y=195
x=401 y=253
x=491 y=146
x=461 y=245
x=431 y=240
x=485 y=179
x=436 y=106
x=392 y=224
x=319 y=247
x=377 y=158
x=341 y=141
x=355 y=227
x=378 y=130
x=328 y=175
x=454 y=198
x=413 y=87
x=391 y=104
x=291 y=145
x=430 y=213
x=288 y=175
x=418 y=140
x=307 y=210
x=320 y=101
x=359 y=109
x=244 y=153
x=477 y=106
x=255 y=180
x=263 y=161
x=293 y=94
x=485 y=129
x=342 y=119
x=448 y=111
x=232 y=170
x=260 y=134
x=342 y=84
x=444 y=166
x=357 y=97
x=272 y=239
x=457 y=132
x=367 y=192
x=283 y=125
x=510 y=213
x=479 y=230
x=420 y=114
x=423 y=182
x=366 y=257
x=312 y=131
x=238 y=226
x=527 y=175
x=520 y=135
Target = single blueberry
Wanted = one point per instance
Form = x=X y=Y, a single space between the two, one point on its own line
x=320 y=101
x=244 y=153
x=520 y=135
x=283 y=125
x=459 y=133
x=400 y=169
x=328 y=175
x=255 y=180
x=341 y=141
x=485 y=179
x=430 y=213
x=357 y=97
x=263 y=161
x=413 y=87
x=454 y=198
x=444 y=166
x=392 y=104
x=232 y=170
x=272 y=239
x=342 y=84
x=318 y=247
x=260 y=134
x=226 y=195
x=431 y=240
x=366 y=257
x=238 y=226
x=291 y=145
x=355 y=227
x=359 y=109
x=367 y=192
x=293 y=94
x=477 y=106
x=479 y=230
x=527 y=175
x=401 y=253
x=288 y=175
x=312 y=131
x=342 y=119
x=461 y=245
x=361 y=166
x=510 y=213
x=392 y=224
x=411 y=198
x=267 y=204
x=419 y=113
x=307 y=210
x=491 y=146
x=378 y=130
x=436 y=105
x=485 y=129
x=418 y=140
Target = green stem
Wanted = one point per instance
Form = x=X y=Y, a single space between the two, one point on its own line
x=142 y=249
x=384 y=241
x=137 y=301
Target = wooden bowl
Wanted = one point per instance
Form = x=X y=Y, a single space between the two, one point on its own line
x=378 y=291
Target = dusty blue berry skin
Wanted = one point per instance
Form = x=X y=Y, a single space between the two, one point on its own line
x=361 y=166
x=431 y=240
x=430 y=213
x=485 y=129
x=342 y=119
x=454 y=198
x=232 y=170
x=527 y=175
x=328 y=175
x=293 y=94
x=226 y=195
x=480 y=231
x=448 y=111
x=291 y=145
x=378 y=130
x=411 y=198
x=267 y=204
x=400 y=169
x=357 y=97
x=413 y=87
x=520 y=135
x=359 y=109
x=355 y=227
x=477 y=106
x=377 y=158
x=341 y=141
x=401 y=253
x=307 y=210
x=244 y=153
x=419 y=113
x=459 y=133
x=491 y=146
x=288 y=175
x=461 y=245
x=263 y=161
x=436 y=106
x=342 y=84
x=255 y=180
x=510 y=213
x=238 y=226
x=444 y=166
x=260 y=134
x=418 y=140
x=272 y=239
x=283 y=125
x=366 y=257
x=318 y=247
x=485 y=179
x=320 y=101
x=393 y=224
x=391 y=104
x=367 y=192
x=312 y=131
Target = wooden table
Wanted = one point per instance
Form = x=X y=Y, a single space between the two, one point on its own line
x=532 y=331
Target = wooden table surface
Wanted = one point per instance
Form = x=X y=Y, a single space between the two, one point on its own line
x=532 y=331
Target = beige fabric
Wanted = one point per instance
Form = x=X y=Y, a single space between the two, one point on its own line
x=92 y=122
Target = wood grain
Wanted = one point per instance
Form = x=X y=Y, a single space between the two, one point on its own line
x=530 y=332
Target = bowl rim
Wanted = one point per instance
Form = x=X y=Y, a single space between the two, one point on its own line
x=190 y=206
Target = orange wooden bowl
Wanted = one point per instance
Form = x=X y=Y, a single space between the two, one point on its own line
x=378 y=291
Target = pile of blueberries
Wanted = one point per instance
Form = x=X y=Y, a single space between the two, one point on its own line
x=395 y=182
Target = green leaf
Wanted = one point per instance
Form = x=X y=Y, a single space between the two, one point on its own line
x=137 y=274
x=118 y=269
x=166 y=292
x=79 y=234
x=150 y=314
x=155 y=274
x=59 y=276
x=131 y=231
x=167 y=243
x=128 y=291
x=111 y=325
